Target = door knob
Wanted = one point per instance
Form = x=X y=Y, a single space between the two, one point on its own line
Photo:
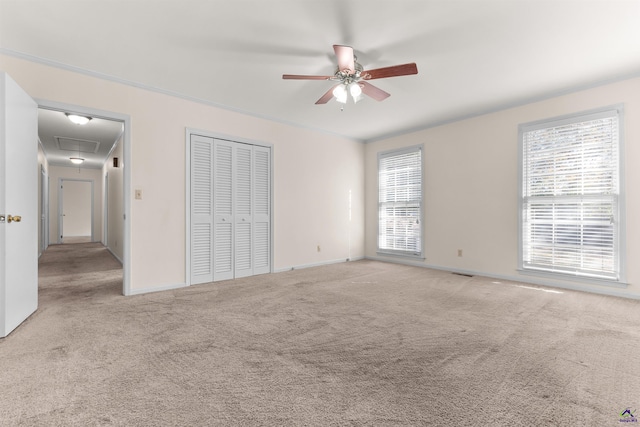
x=16 y=218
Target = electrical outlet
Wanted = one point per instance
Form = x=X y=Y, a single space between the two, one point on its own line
x=460 y=252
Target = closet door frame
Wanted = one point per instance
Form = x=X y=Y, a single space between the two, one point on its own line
x=207 y=134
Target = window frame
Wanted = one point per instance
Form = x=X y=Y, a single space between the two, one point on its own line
x=620 y=244
x=396 y=252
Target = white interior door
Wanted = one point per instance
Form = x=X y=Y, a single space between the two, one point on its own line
x=261 y=210
x=223 y=219
x=243 y=210
x=44 y=210
x=105 y=211
x=201 y=209
x=76 y=208
x=18 y=205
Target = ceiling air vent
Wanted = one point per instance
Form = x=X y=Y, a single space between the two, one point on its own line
x=77 y=145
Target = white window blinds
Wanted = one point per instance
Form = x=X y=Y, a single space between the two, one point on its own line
x=400 y=202
x=570 y=196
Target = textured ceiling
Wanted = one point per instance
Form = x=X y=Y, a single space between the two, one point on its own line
x=473 y=56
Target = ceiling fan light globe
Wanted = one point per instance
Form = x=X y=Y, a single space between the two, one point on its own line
x=340 y=92
x=76 y=160
x=79 y=120
x=355 y=90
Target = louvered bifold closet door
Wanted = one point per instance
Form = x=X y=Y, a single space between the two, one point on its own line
x=243 y=210
x=230 y=209
x=223 y=189
x=201 y=209
x=261 y=210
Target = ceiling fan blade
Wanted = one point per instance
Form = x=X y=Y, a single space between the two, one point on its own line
x=374 y=92
x=345 y=58
x=393 y=71
x=326 y=97
x=300 y=77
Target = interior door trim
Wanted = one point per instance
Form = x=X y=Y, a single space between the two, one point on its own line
x=126 y=160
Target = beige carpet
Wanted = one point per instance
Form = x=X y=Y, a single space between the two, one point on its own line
x=360 y=343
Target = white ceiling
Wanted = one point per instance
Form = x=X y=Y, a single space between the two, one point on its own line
x=473 y=56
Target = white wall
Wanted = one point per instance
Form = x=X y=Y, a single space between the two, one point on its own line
x=313 y=173
x=471 y=194
x=57 y=172
x=314 y=177
x=115 y=202
x=471 y=173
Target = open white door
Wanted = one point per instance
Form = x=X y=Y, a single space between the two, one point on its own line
x=18 y=205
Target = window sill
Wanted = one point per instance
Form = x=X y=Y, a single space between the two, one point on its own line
x=401 y=255
x=573 y=278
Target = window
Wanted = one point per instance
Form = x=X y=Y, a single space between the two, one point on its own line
x=570 y=195
x=400 y=202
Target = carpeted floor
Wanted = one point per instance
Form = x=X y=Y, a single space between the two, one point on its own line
x=361 y=343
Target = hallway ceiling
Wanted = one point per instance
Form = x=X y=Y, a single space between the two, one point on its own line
x=473 y=56
x=62 y=139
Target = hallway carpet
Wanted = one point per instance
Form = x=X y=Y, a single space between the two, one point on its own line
x=355 y=344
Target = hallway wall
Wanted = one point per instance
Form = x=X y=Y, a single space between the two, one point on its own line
x=115 y=202
x=42 y=164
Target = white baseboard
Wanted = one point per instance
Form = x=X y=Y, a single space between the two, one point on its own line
x=615 y=292
x=114 y=255
x=156 y=289
x=280 y=270
x=317 y=264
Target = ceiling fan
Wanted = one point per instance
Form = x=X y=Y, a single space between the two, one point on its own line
x=352 y=78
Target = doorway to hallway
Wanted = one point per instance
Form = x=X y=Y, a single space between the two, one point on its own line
x=87 y=212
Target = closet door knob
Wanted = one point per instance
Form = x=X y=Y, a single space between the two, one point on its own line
x=16 y=218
